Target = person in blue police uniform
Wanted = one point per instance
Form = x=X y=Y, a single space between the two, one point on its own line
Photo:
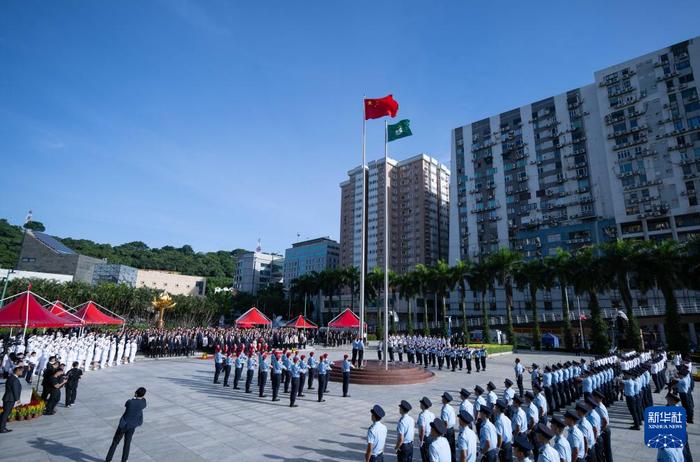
x=488 y=436
x=250 y=372
x=541 y=403
x=405 y=431
x=683 y=387
x=347 y=365
x=577 y=442
x=559 y=442
x=587 y=430
x=218 y=363
x=519 y=370
x=228 y=365
x=294 y=378
x=593 y=418
x=518 y=418
x=508 y=394
x=239 y=363
x=466 y=405
x=376 y=436
x=606 y=434
x=631 y=399
x=313 y=364
x=466 y=438
x=468 y=359
x=673 y=399
x=277 y=368
x=447 y=415
x=286 y=375
x=263 y=371
x=424 y=419
x=439 y=450
x=521 y=449
x=483 y=354
x=491 y=396
x=504 y=430
x=323 y=368
x=355 y=348
x=303 y=370
x=534 y=373
x=546 y=452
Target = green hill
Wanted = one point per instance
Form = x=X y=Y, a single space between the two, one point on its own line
x=219 y=264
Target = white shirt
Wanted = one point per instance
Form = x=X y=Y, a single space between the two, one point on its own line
x=439 y=450
x=376 y=436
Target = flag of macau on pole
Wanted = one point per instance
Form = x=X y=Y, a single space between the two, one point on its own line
x=398 y=130
x=664 y=427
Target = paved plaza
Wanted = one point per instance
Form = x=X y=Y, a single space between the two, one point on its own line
x=190 y=419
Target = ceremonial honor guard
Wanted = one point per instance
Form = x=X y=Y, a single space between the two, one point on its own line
x=240 y=362
x=577 y=442
x=250 y=372
x=263 y=370
x=228 y=363
x=294 y=373
x=323 y=368
x=447 y=415
x=488 y=437
x=466 y=405
x=519 y=370
x=303 y=370
x=560 y=443
x=376 y=436
x=312 y=363
x=606 y=435
x=218 y=363
x=518 y=418
x=347 y=365
x=276 y=375
x=504 y=430
x=405 y=430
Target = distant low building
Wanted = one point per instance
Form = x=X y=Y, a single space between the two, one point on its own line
x=114 y=273
x=308 y=256
x=42 y=253
x=258 y=270
x=171 y=282
x=17 y=274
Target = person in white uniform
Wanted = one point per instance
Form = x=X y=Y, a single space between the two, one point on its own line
x=439 y=448
x=376 y=436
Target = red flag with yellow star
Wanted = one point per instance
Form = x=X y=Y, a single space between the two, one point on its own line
x=376 y=108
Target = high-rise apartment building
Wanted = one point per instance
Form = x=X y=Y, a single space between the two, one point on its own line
x=309 y=256
x=651 y=122
x=618 y=157
x=418 y=213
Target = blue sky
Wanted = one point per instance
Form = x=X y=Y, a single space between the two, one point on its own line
x=217 y=123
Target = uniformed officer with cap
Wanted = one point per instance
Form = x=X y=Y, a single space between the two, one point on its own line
x=491 y=397
x=575 y=437
x=504 y=430
x=424 y=419
x=405 y=429
x=587 y=430
x=546 y=452
x=560 y=444
x=347 y=365
x=439 y=450
x=447 y=414
x=466 y=438
x=488 y=437
x=518 y=418
x=479 y=401
x=521 y=448
x=466 y=405
x=376 y=436
x=606 y=435
x=508 y=394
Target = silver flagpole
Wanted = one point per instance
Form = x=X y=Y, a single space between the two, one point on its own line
x=362 y=238
x=386 y=244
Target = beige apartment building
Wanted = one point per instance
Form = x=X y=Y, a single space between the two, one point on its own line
x=418 y=213
x=171 y=282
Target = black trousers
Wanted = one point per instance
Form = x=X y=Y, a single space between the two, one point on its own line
x=607 y=444
x=477 y=363
x=276 y=379
x=227 y=374
x=379 y=458
x=360 y=356
x=346 y=383
x=262 y=379
x=354 y=356
x=54 y=398
x=424 y=449
x=450 y=435
x=506 y=453
x=217 y=371
x=249 y=380
x=632 y=406
x=483 y=363
x=127 y=434
x=6 y=411
x=287 y=377
x=321 y=385
x=71 y=393
x=519 y=380
x=302 y=381
x=311 y=377
x=295 y=390
x=237 y=377
x=405 y=453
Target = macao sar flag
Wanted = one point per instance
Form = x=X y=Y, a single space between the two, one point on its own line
x=399 y=130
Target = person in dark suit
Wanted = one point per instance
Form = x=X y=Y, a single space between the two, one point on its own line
x=132 y=418
x=13 y=391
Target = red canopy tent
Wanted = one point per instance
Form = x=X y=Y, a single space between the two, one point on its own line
x=89 y=313
x=25 y=311
x=346 y=320
x=251 y=318
x=301 y=323
x=59 y=310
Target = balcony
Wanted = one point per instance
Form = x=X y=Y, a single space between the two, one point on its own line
x=670 y=75
x=627 y=132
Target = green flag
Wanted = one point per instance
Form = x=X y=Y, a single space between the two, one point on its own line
x=399 y=130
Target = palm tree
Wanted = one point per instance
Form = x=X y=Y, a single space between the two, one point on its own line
x=504 y=263
x=408 y=290
x=664 y=262
x=588 y=278
x=618 y=260
x=304 y=285
x=374 y=284
x=461 y=271
x=393 y=288
x=330 y=282
x=422 y=276
x=561 y=266
x=480 y=280
x=442 y=282
x=351 y=279
x=534 y=275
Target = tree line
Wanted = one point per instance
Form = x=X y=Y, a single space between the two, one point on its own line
x=590 y=271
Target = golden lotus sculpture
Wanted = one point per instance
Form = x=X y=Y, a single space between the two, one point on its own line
x=160 y=304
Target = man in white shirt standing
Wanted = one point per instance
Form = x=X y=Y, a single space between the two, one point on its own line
x=439 y=448
x=466 y=439
x=376 y=436
x=425 y=418
x=405 y=430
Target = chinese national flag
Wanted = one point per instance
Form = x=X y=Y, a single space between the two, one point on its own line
x=376 y=108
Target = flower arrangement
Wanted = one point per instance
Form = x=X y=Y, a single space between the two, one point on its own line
x=33 y=409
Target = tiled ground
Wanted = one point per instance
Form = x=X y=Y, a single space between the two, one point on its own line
x=190 y=419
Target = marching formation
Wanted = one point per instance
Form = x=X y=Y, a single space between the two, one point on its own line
x=437 y=352
x=563 y=418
